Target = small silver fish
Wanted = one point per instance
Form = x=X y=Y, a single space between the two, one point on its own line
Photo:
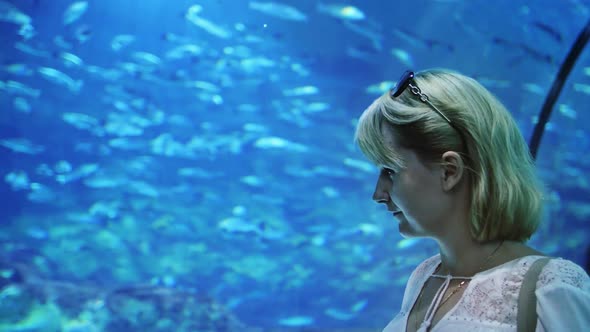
x=20 y=69
x=344 y=12
x=121 y=41
x=278 y=10
x=74 y=12
x=19 y=88
x=58 y=77
x=204 y=24
x=21 y=145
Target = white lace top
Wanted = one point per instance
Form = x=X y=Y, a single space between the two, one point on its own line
x=490 y=301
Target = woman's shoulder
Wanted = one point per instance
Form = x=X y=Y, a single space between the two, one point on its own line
x=563 y=296
x=426 y=267
x=416 y=280
x=559 y=271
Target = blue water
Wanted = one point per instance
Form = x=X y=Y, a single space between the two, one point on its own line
x=163 y=176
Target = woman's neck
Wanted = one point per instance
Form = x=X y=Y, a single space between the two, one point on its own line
x=468 y=258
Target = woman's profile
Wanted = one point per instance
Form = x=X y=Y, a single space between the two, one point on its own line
x=455 y=168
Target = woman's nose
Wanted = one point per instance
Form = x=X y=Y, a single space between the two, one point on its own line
x=381 y=193
x=381 y=196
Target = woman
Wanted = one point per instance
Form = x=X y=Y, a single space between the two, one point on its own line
x=455 y=168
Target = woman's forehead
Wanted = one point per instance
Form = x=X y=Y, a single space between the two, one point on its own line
x=391 y=141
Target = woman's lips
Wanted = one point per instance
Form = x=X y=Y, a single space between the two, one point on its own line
x=395 y=213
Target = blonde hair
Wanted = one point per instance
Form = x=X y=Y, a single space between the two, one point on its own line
x=506 y=196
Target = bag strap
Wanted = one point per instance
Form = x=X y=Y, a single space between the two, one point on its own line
x=526 y=320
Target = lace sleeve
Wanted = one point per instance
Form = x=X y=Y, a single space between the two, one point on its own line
x=563 y=297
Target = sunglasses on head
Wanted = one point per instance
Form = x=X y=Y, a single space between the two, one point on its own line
x=407 y=80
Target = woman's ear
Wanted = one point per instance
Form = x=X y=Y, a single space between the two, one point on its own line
x=452 y=170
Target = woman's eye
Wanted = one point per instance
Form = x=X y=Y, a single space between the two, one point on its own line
x=389 y=172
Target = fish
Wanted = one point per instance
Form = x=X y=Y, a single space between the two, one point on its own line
x=102 y=181
x=300 y=69
x=128 y=144
x=403 y=56
x=105 y=209
x=19 y=69
x=41 y=193
x=147 y=58
x=344 y=12
x=295 y=321
x=359 y=164
x=22 y=145
x=70 y=60
x=37 y=233
x=361 y=52
x=84 y=218
x=537 y=55
x=14 y=87
x=567 y=111
x=174 y=38
x=122 y=128
x=256 y=63
x=80 y=120
x=74 y=12
x=273 y=142
x=76 y=174
x=359 y=306
x=165 y=145
x=417 y=41
x=202 y=85
x=143 y=188
x=301 y=91
x=208 y=26
x=252 y=180
x=533 y=88
x=379 y=88
x=56 y=76
x=62 y=166
x=548 y=30
x=21 y=105
x=28 y=49
x=468 y=29
x=583 y=88
x=62 y=42
x=18 y=180
x=493 y=83
x=27 y=31
x=316 y=107
x=193 y=11
x=278 y=10
x=121 y=41
x=184 y=51
x=366 y=31
x=527 y=51
x=199 y=173
x=239 y=225
x=82 y=34
x=339 y=314
x=370 y=229
x=10 y=14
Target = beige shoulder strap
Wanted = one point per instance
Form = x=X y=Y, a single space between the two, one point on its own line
x=527 y=301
